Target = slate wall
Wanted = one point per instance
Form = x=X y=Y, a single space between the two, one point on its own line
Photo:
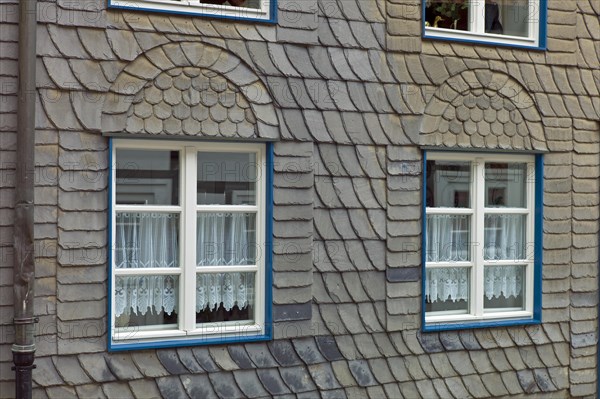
x=351 y=93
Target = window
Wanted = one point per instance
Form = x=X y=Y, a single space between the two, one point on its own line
x=188 y=235
x=260 y=10
x=481 y=238
x=507 y=22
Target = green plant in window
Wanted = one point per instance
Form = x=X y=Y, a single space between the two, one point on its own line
x=450 y=10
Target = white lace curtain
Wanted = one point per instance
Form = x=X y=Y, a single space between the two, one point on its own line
x=448 y=241
x=222 y=239
x=448 y=238
x=151 y=240
x=504 y=237
x=146 y=240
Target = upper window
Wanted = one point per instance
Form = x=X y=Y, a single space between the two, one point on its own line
x=262 y=10
x=480 y=238
x=188 y=231
x=508 y=22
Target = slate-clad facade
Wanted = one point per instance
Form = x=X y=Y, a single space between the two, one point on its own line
x=351 y=96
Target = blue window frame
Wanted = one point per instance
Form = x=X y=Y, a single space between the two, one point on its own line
x=515 y=23
x=482 y=240
x=191 y=243
x=246 y=10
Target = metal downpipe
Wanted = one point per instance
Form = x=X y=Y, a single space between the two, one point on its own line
x=23 y=349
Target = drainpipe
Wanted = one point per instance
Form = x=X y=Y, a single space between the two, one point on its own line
x=23 y=349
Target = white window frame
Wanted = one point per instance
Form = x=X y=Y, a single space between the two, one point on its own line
x=188 y=208
x=476 y=32
x=477 y=211
x=195 y=7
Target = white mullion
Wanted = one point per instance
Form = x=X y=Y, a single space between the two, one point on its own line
x=448 y=211
x=530 y=236
x=440 y=265
x=226 y=269
x=477 y=16
x=533 y=18
x=149 y=208
x=227 y=208
x=147 y=271
x=502 y=211
x=188 y=296
x=478 y=270
x=113 y=229
x=259 y=275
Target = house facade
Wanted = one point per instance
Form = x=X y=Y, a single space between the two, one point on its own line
x=315 y=198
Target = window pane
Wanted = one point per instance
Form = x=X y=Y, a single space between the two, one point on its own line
x=448 y=184
x=505 y=184
x=255 y=4
x=226 y=239
x=147 y=177
x=448 y=238
x=508 y=17
x=447 y=289
x=146 y=300
x=224 y=297
x=448 y=14
x=504 y=287
x=504 y=237
x=227 y=178
x=147 y=240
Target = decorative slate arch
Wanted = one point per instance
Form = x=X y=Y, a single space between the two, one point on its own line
x=482 y=109
x=189 y=89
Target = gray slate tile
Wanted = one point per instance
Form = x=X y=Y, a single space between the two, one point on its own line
x=297 y=379
x=308 y=351
x=171 y=362
x=117 y=390
x=49 y=376
x=284 y=353
x=260 y=355
x=69 y=368
x=271 y=380
x=204 y=359
x=240 y=357
x=171 y=387
x=527 y=381
x=186 y=357
x=249 y=383
x=96 y=367
x=328 y=348
x=323 y=376
x=122 y=366
x=198 y=386
x=362 y=373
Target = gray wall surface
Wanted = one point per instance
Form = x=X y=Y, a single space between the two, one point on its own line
x=351 y=94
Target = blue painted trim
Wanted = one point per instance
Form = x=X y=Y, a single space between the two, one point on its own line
x=269 y=244
x=478 y=324
x=541 y=39
x=543 y=24
x=537 y=264
x=185 y=341
x=272 y=19
x=423 y=237
x=538 y=235
x=195 y=341
x=483 y=43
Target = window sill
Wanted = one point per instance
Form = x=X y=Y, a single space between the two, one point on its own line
x=192 y=8
x=484 y=39
x=468 y=325
x=179 y=339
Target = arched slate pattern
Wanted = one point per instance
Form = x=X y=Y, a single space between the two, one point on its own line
x=190 y=89
x=482 y=109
